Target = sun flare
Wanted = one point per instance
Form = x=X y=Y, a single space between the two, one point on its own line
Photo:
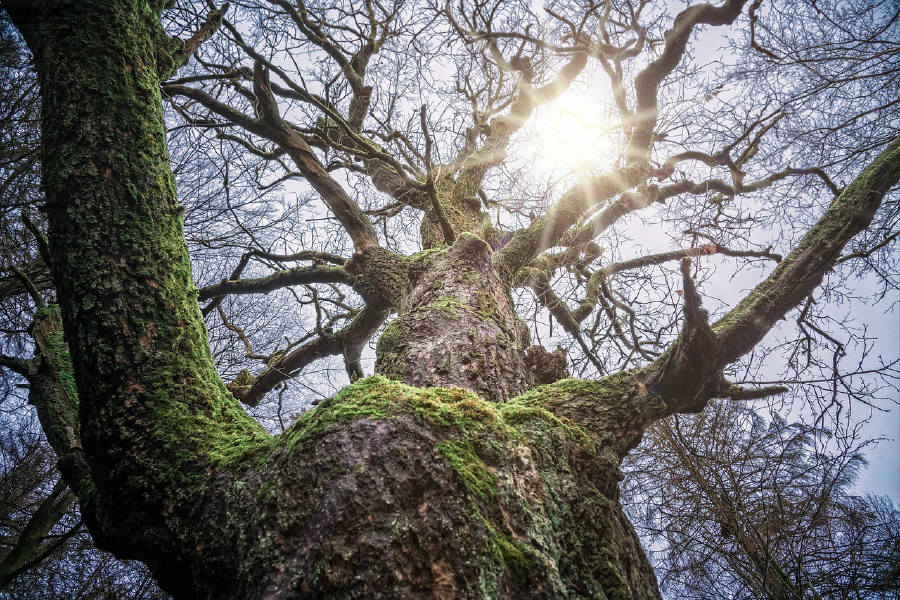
x=571 y=135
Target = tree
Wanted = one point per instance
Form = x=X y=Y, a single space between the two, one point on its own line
x=738 y=505
x=450 y=471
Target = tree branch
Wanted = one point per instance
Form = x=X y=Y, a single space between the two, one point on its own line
x=347 y=341
x=48 y=514
x=313 y=255
x=803 y=269
x=736 y=392
x=22 y=366
x=270 y=126
x=449 y=236
x=646 y=83
x=55 y=398
x=173 y=53
x=690 y=371
x=687 y=375
x=544 y=233
x=278 y=280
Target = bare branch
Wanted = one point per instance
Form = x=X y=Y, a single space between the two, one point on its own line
x=27 y=546
x=278 y=280
x=449 y=236
x=646 y=83
x=803 y=269
x=347 y=341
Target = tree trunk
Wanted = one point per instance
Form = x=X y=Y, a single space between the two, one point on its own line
x=459 y=328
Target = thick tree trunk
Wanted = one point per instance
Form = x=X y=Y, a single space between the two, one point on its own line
x=389 y=490
x=458 y=328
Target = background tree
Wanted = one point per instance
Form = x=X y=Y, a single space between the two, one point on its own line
x=422 y=211
x=45 y=551
x=739 y=506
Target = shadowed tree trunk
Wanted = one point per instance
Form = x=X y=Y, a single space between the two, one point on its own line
x=446 y=474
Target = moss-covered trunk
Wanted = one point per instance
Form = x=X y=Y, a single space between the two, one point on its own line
x=384 y=490
x=155 y=418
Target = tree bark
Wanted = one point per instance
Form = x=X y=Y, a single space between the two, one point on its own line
x=458 y=328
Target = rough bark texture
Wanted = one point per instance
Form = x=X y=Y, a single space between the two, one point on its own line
x=458 y=328
x=386 y=490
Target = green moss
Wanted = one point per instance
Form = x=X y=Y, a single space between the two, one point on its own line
x=567 y=407
x=267 y=493
x=390 y=351
x=53 y=389
x=604 y=393
x=478 y=439
x=517 y=414
x=87 y=494
x=537 y=485
x=422 y=261
x=390 y=337
x=64 y=363
x=378 y=397
x=218 y=431
x=472 y=470
x=448 y=307
x=519 y=558
x=486 y=307
x=242 y=383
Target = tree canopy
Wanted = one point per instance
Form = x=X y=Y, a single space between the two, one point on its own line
x=524 y=233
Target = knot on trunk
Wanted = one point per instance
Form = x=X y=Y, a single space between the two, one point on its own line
x=241 y=386
x=690 y=371
x=383 y=276
x=546 y=367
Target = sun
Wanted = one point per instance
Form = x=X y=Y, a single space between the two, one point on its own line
x=571 y=135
